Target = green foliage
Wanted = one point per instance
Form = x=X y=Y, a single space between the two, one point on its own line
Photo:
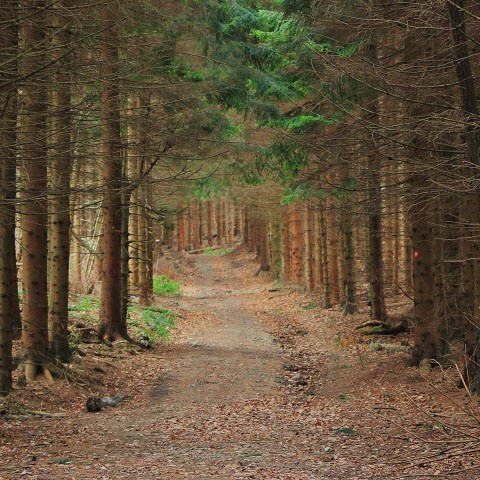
x=218 y=251
x=345 y=188
x=216 y=122
x=208 y=188
x=154 y=323
x=86 y=304
x=255 y=54
x=163 y=285
x=301 y=123
x=86 y=309
x=301 y=191
x=310 y=306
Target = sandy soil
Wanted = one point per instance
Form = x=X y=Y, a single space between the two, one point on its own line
x=257 y=384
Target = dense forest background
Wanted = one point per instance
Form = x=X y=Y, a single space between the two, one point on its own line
x=338 y=140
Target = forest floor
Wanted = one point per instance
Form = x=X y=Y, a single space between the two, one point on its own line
x=258 y=383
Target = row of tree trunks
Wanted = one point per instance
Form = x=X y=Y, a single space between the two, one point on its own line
x=208 y=223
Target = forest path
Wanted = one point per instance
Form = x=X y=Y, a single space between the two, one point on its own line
x=204 y=417
x=256 y=384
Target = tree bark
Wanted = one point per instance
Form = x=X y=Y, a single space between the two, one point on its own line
x=60 y=177
x=296 y=244
x=9 y=305
x=33 y=156
x=111 y=324
x=471 y=266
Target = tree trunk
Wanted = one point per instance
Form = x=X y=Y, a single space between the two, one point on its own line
x=276 y=247
x=287 y=250
x=111 y=324
x=296 y=244
x=471 y=266
x=327 y=302
x=181 y=229
x=317 y=252
x=350 y=303
x=9 y=305
x=308 y=250
x=264 y=245
x=33 y=156
x=60 y=177
x=332 y=254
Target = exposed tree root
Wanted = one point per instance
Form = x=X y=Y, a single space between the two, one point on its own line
x=376 y=327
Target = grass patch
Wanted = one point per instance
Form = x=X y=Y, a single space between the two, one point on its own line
x=86 y=304
x=163 y=285
x=154 y=323
x=310 y=306
x=218 y=251
x=86 y=309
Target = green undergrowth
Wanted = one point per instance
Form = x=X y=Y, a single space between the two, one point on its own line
x=163 y=285
x=86 y=309
x=155 y=323
x=218 y=251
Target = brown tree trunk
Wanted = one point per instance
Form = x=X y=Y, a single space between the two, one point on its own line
x=60 y=176
x=111 y=324
x=195 y=214
x=296 y=244
x=9 y=305
x=134 y=162
x=276 y=247
x=376 y=264
x=332 y=254
x=264 y=245
x=349 y=287
x=210 y=223
x=377 y=294
x=317 y=252
x=33 y=156
x=307 y=245
x=181 y=229
x=471 y=266
x=287 y=249
x=325 y=260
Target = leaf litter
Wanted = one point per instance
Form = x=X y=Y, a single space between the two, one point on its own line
x=254 y=385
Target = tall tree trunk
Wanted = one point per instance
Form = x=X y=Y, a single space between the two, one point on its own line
x=332 y=254
x=276 y=247
x=350 y=304
x=317 y=252
x=327 y=302
x=296 y=244
x=376 y=263
x=210 y=223
x=9 y=305
x=34 y=163
x=471 y=265
x=287 y=249
x=307 y=245
x=182 y=229
x=60 y=177
x=111 y=324
x=264 y=245
x=377 y=295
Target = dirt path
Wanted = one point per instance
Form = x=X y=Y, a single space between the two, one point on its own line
x=228 y=400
